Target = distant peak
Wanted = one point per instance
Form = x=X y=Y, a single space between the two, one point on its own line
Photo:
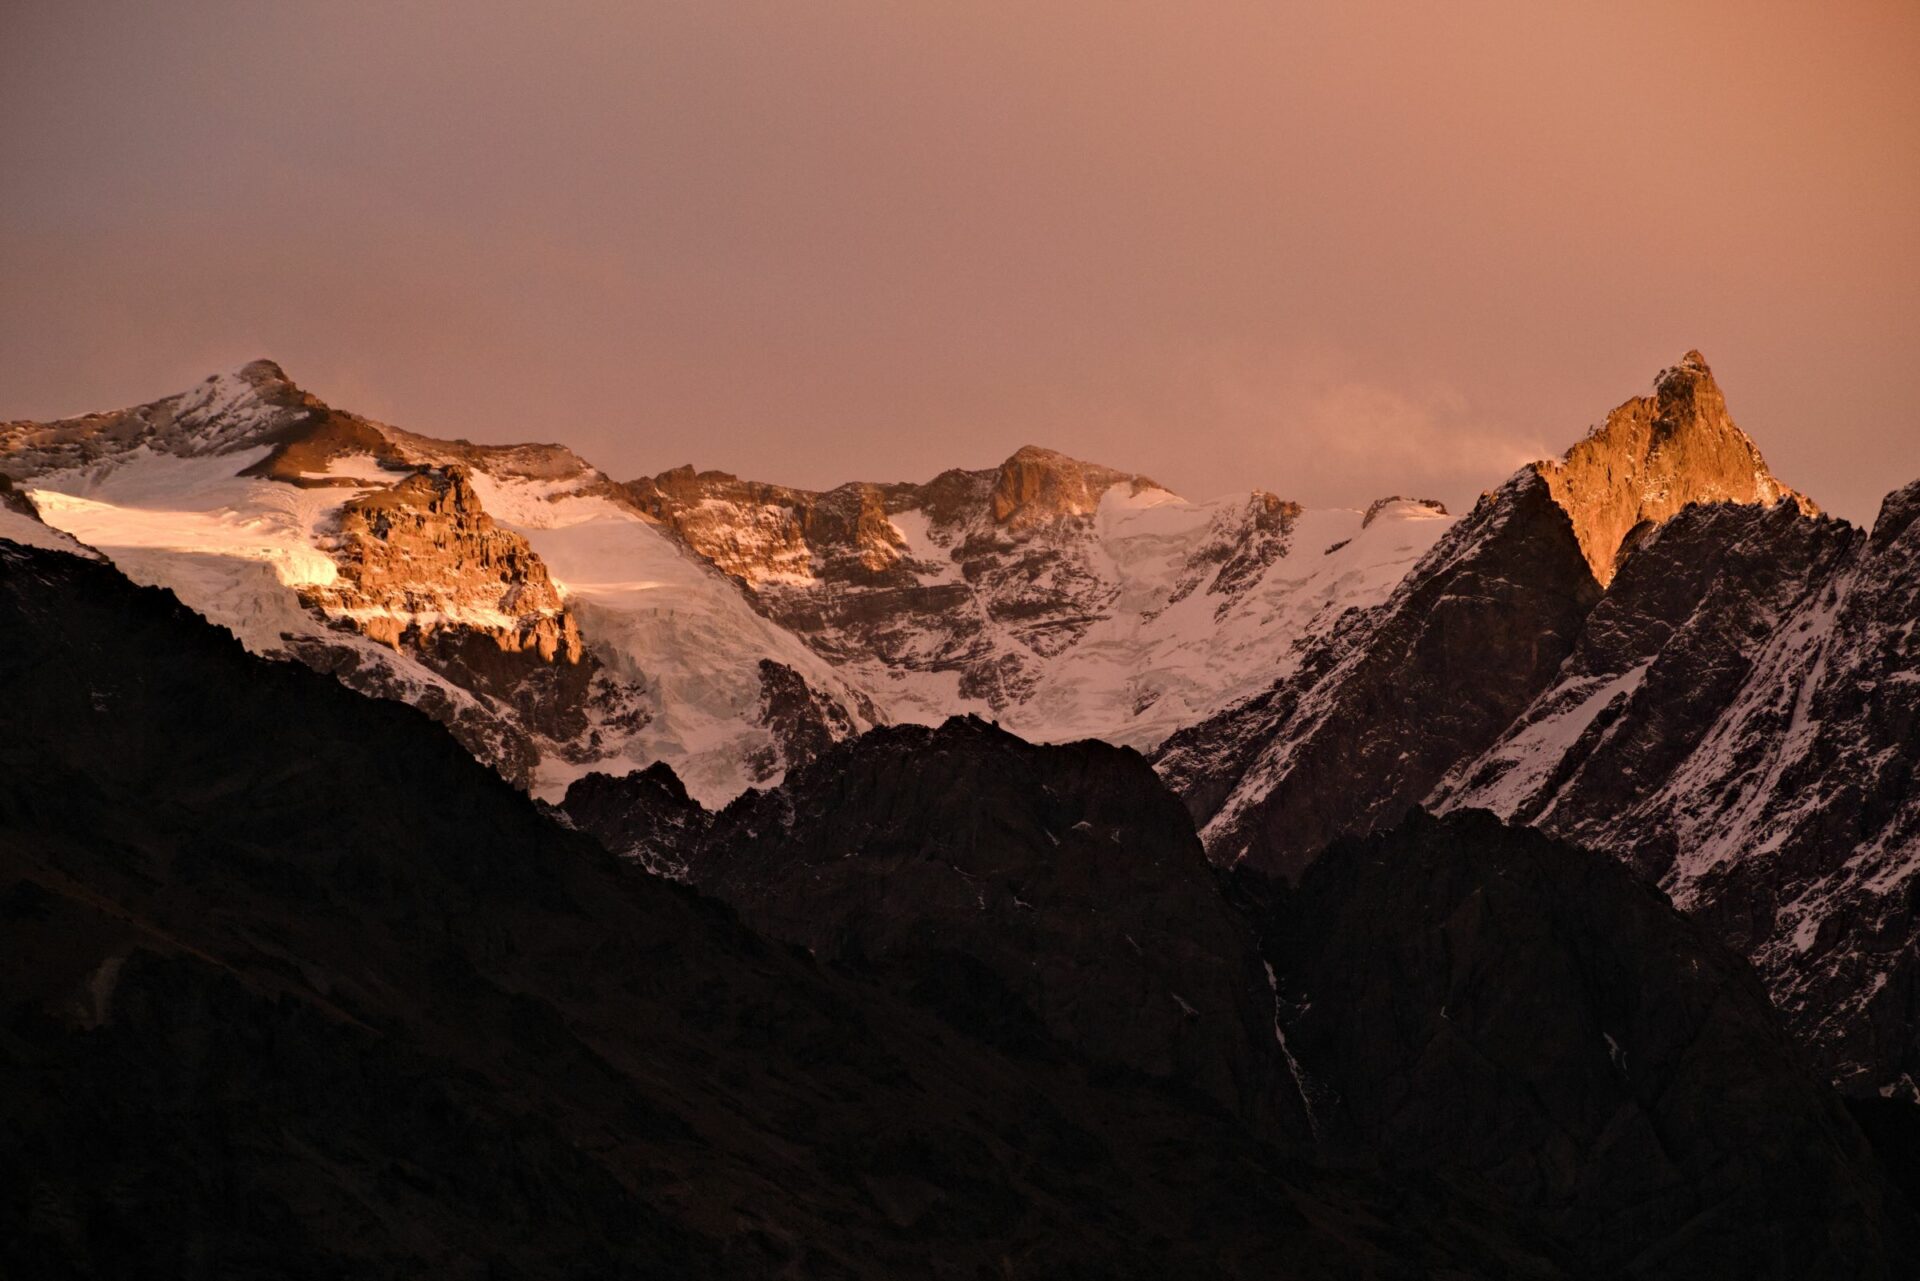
x=263 y=370
x=1037 y=454
x=1432 y=506
x=261 y=382
x=1692 y=363
x=1037 y=484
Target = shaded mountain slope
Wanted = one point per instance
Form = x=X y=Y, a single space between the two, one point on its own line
x=1527 y=1022
x=297 y=988
x=1381 y=708
x=1740 y=722
x=1616 y=1089
x=1066 y=875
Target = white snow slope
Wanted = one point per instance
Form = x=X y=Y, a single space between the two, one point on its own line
x=158 y=491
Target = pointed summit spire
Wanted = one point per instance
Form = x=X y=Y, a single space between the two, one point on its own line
x=1653 y=456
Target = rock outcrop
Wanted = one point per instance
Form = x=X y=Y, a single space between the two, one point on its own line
x=1038 y=486
x=1379 y=505
x=421 y=556
x=424 y=570
x=803 y=721
x=645 y=815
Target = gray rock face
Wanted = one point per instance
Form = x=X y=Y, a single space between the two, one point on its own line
x=1055 y=594
x=1381 y=709
x=803 y=721
x=1741 y=723
x=1004 y=579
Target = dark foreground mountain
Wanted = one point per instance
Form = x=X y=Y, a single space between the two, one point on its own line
x=1065 y=880
x=1525 y=1022
x=294 y=987
x=1563 y=1040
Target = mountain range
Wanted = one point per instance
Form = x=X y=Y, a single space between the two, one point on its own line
x=1073 y=837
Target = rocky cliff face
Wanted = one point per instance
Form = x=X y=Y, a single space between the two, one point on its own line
x=997 y=580
x=1653 y=456
x=421 y=556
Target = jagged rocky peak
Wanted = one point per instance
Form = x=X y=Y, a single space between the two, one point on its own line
x=1423 y=506
x=1037 y=485
x=1898 y=511
x=239 y=409
x=764 y=534
x=1655 y=454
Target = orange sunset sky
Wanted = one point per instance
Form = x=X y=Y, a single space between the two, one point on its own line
x=1332 y=250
